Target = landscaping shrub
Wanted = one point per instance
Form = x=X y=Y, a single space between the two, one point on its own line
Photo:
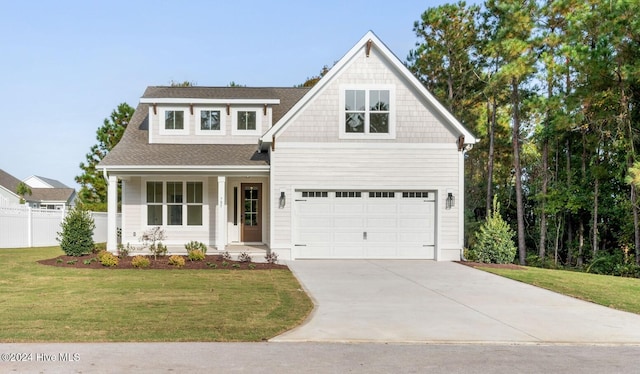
x=108 y=259
x=140 y=262
x=271 y=257
x=244 y=257
x=177 y=261
x=226 y=256
x=195 y=255
x=495 y=239
x=76 y=237
x=195 y=245
x=152 y=239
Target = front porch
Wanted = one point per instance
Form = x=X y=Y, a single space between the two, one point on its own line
x=226 y=213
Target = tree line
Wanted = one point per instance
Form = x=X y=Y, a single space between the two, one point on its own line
x=552 y=88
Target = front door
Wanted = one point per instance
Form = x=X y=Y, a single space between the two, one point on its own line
x=251 y=213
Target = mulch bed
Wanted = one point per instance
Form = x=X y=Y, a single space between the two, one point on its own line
x=484 y=265
x=162 y=262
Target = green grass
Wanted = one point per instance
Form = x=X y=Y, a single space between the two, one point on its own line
x=614 y=292
x=41 y=303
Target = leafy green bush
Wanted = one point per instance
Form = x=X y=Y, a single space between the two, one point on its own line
x=108 y=259
x=195 y=245
x=495 y=239
x=195 y=255
x=76 y=237
x=140 y=262
x=177 y=261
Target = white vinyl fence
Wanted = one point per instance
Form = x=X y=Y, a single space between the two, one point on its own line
x=22 y=226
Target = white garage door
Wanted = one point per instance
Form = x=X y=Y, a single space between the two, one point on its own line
x=364 y=224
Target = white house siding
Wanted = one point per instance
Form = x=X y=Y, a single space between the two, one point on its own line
x=192 y=121
x=7 y=197
x=416 y=122
x=366 y=168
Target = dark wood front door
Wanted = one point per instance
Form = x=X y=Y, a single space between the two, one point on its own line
x=251 y=212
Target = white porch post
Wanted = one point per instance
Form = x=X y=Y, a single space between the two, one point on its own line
x=221 y=214
x=112 y=213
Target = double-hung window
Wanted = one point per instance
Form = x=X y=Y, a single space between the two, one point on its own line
x=367 y=112
x=175 y=203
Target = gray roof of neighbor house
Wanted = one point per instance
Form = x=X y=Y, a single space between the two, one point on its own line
x=51 y=194
x=134 y=148
x=53 y=182
x=8 y=181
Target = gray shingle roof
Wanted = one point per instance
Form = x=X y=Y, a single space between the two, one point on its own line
x=134 y=148
x=52 y=182
x=50 y=194
x=8 y=181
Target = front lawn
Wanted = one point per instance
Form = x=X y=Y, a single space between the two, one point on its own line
x=614 y=292
x=41 y=303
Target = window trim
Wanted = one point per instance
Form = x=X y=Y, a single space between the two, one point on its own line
x=343 y=134
x=165 y=204
x=234 y=121
x=223 y=121
x=186 y=121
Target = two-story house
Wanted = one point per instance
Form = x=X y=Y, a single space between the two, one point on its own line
x=366 y=164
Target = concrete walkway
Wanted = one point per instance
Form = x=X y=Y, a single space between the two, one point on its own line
x=443 y=302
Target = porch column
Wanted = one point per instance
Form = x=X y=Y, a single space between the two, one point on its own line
x=221 y=214
x=112 y=213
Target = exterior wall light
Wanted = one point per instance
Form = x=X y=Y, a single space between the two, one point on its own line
x=451 y=201
x=283 y=200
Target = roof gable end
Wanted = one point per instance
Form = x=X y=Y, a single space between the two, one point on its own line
x=368 y=41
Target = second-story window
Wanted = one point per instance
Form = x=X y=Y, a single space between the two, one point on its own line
x=210 y=120
x=174 y=120
x=246 y=120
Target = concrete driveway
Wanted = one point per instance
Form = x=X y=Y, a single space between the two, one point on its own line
x=444 y=302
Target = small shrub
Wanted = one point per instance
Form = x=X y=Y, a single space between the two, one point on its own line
x=252 y=266
x=177 y=261
x=99 y=247
x=495 y=239
x=271 y=257
x=152 y=239
x=124 y=251
x=244 y=257
x=195 y=245
x=225 y=263
x=108 y=259
x=76 y=237
x=236 y=266
x=72 y=262
x=212 y=265
x=102 y=254
x=59 y=261
x=469 y=255
x=140 y=262
x=226 y=256
x=87 y=262
x=195 y=255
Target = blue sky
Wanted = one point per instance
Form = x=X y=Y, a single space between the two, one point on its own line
x=65 y=65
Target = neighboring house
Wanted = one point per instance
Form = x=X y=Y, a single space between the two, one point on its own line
x=366 y=164
x=45 y=193
x=49 y=193
x=8 y=187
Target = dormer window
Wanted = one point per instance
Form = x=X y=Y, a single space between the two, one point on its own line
x=246 y=121
x=210 y=120
x=367 y=112
x=174 y=120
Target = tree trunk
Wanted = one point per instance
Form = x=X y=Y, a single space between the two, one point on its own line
x=570 y=216
x=515 y=100
x=634 y=206
x=491 y=126
x=596 y=187
x=580 y=243
x=543 y=215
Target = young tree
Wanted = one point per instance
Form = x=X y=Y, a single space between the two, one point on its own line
x=93 y=190
x=23 y=189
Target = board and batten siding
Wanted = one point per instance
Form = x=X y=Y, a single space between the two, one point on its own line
x=416 y=121
x=191 y=121
x=414 y=168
